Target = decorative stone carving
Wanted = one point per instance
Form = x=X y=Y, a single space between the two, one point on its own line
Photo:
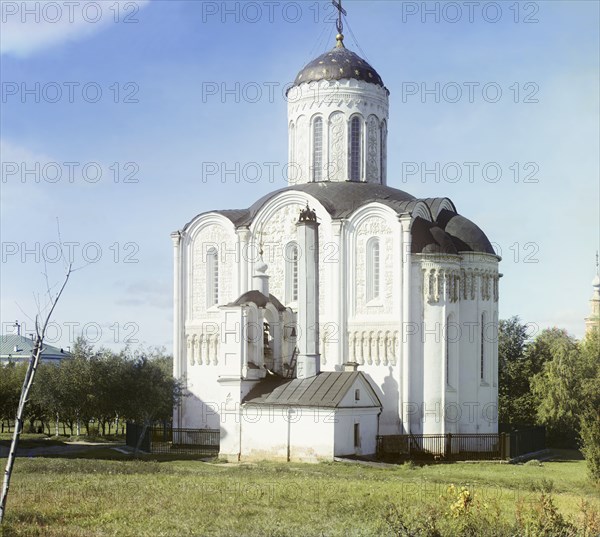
x=212 y=236
x=202 y=349
x=373 y=150
x=215 y=349
x=374 y=226
x=324 y=344
x=430 y=286
x=463 y=284
x=301 y=152
x=190 y=348
x=383 y=148
x=338 y=101
x=199 y=349
x=275 y=234
x=373 y=347
x=336 y=167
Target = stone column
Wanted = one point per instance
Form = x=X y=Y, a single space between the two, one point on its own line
x=179 y=361
x=243 y=237
x=308 y=364
x=405 y=353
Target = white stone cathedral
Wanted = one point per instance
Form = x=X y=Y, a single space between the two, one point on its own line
x=336 y=309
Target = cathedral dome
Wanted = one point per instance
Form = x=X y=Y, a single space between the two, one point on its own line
x=429 y=238
x=467 y=236
x=337 y=64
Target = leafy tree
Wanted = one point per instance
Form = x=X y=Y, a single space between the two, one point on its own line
x=153 y=391
x=515 y=400
x=82 y=349
x=557 y=387
x=45 y=403
x=590 y=416
x=11 y=381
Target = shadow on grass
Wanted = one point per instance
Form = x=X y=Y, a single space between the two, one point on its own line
x=17 y=519
x=564 y=455
x=110 y=454
x=33 y=444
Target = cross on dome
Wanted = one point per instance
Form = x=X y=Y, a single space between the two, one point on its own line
x=337 y=4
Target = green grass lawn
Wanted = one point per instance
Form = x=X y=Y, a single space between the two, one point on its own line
x=109 y=495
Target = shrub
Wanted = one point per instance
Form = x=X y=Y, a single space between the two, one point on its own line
x=542 y=519
x=590 y=436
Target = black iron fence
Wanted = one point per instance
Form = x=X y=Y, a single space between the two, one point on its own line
x=167 y=439
x=444 y=446
x=511 y=442
x=527 y=440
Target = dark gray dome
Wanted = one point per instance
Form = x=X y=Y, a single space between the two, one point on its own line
x=338 y=64
x=429 y=238
x=467 y=236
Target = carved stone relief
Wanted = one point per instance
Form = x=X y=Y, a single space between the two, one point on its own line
x=373 y=150
x=373 y=347
x=213 y=236
x=336 y=167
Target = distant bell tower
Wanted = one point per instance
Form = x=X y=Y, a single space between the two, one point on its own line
x=338 y=111
x=593 y=321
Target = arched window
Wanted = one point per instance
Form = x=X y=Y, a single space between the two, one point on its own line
x=291 y=272
x=317 y=156
x=355 y=155
x=482 y=350
x=373 y=269
x=212 y=277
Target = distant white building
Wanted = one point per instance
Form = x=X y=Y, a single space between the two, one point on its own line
x=369 y=312
x=15 y=348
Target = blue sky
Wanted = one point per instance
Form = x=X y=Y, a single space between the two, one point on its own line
x=166 y=67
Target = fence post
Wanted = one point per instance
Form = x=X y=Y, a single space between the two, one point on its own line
x=448 y=448
x=502 y=445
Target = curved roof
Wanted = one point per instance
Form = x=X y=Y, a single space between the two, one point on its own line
x=466 y=235
x=337 y=64
x=450 y=233
x=257 y=298
x=429 y=238
x=341 y=199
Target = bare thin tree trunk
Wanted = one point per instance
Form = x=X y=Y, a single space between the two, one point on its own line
x=19 y=425
x=27 y=384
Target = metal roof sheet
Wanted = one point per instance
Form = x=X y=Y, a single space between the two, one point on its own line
x=327 y=389
x=8 y=342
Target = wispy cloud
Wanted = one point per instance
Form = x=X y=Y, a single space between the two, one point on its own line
x=29 y=26
x=146 y=293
